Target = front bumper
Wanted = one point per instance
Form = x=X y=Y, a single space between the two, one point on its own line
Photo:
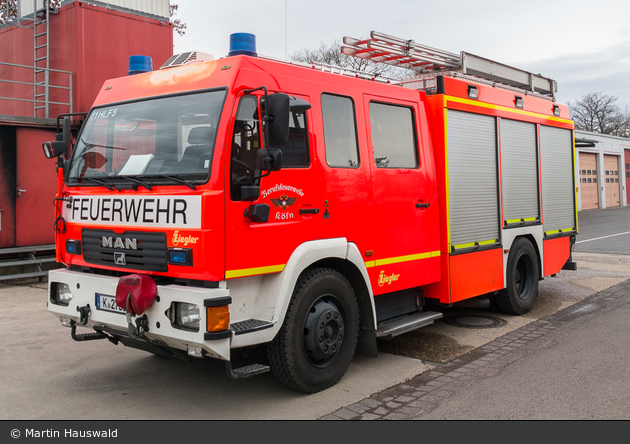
x=85 y=287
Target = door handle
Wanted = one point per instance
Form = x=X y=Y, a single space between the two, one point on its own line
x=308 y=211
x=20 y=191
x=422 y=205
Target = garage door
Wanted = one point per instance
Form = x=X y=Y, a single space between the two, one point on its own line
x=611 y=179
x=588 y=181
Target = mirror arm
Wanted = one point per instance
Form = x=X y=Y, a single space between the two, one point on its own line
x=265 y=119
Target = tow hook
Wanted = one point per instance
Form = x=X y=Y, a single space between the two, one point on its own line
x=84 y=312
x=142 y=325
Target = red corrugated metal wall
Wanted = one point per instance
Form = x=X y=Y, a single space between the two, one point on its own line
x=92 y=42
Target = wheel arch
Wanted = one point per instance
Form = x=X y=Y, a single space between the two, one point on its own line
x=530 y=237
x=273 y=292
x=365 y=300
x=534 y=235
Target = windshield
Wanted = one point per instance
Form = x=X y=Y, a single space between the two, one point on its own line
x=166 y=137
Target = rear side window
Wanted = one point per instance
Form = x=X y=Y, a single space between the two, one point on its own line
x=340 y=134
x=393 y=136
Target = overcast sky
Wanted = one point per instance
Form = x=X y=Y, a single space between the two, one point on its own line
x=583 y=44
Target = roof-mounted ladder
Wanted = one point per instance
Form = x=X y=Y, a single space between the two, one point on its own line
x=383 y=48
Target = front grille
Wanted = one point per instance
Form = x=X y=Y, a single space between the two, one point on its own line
x=150 y=253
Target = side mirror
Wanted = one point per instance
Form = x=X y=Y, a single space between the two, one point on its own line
x=269 y=159
x=297 y=105
x=278 y=125
x=61 y=144
x=250 y=193
x=54 y=149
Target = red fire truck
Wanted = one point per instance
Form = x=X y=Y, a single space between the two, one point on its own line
x=245 y=203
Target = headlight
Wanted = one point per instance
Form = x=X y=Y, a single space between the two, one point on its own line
x=187 y=316
x=60 y=294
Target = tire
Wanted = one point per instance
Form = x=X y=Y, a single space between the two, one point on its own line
x=522 y=279
x=318 y=338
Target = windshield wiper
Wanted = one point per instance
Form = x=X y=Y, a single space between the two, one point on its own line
x=109 y=186
x=148 y=186
x=188 y=183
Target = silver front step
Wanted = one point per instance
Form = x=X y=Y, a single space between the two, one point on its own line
x=245 y=372
x=398 y=326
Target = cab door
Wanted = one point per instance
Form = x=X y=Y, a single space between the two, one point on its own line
x=405 y=208
x=292 y=194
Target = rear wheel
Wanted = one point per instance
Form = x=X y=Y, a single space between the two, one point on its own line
x=316 y=343
x=522 y=279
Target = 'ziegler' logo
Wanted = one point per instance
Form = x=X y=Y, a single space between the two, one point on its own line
x=177 y=239
x=109 y=242
x=382 y=279
x=284 y=201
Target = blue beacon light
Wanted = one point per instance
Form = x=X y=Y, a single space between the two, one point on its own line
x=139 y=64
x=242 y=43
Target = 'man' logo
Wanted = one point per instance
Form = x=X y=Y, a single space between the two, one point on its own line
x=128 y=244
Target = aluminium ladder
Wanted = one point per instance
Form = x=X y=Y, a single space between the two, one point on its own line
x=427 y=61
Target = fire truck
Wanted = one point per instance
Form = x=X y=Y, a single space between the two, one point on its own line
x=283 y=216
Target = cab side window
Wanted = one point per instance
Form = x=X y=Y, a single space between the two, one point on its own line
x=340 y=131
x=295 y=153
x=245 y=145
x=393 y=136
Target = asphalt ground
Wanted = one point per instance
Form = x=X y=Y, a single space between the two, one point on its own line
x=571 y=365
x=604 y=231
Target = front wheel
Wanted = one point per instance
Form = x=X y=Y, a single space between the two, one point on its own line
x=522 y=279
x=316 y=343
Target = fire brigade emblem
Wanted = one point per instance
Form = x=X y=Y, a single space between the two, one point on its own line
x=284 y=201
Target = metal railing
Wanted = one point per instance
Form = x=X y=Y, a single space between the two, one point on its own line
x=44 y=101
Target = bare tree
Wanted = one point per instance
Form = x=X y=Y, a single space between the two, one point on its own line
x=330 y=54
x=178 y=25
x=597 y=112
x=8 y=9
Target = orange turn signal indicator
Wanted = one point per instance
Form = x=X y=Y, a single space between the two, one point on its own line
x=218 y=318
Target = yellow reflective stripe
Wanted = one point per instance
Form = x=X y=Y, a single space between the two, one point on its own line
x=398 y=259
x=488 y=242
x=515 y=221
x=253 y=271
x=474 y=244
x=564 y=230
x=506 y=109
x=575 y=188
x=448 y=200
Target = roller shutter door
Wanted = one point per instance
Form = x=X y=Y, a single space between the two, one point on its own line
x=556 y=152
x=611 y=181
x=473 y=180
x=588 y=181
x=519 y=173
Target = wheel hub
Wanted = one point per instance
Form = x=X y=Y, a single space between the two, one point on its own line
x=324 y=331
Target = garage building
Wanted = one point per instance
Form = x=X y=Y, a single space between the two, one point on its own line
x=602 y=165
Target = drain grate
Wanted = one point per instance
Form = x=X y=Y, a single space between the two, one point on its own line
x=474 y=321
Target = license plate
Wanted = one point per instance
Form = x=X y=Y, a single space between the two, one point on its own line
x=108 y=303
